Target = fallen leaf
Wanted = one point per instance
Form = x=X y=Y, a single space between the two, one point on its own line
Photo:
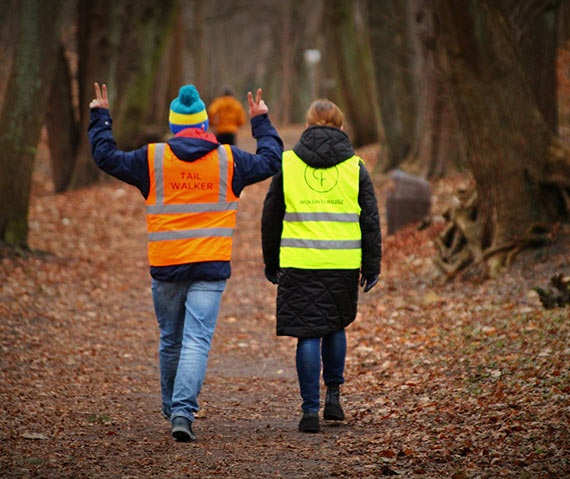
x=34 y=435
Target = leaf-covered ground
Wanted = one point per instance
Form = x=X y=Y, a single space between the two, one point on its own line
x=468 y=379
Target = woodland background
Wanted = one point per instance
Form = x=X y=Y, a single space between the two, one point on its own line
x=455 y=367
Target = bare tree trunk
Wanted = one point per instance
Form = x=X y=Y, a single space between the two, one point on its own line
x=167 y=82
x=396 y=80
x=175 y=68
x=62 y=128
x=286 y=61
x=23 y=112
x=293 y=40
x=508 y=141
x=198 y=47
x=97 y=39
x=142 y=48
x=535 y=24
x=8 y=31
x=511 y=147
x=564 y=22
x=439 y=146
x=348 y=44
x=126 y=59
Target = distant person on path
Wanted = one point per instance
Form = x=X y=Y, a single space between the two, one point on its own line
x=320 y=231
x=191 y=185
x=226 y=116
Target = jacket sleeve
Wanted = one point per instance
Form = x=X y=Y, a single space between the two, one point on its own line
x=128 y=166
x=250 y=168
x=369 y=225
x=272 y=222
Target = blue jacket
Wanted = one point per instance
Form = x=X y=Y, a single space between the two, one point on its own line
x=132 y=167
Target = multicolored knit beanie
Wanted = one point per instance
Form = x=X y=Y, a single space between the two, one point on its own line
x=188 y=110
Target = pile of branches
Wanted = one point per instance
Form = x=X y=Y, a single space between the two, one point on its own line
x=460 y=243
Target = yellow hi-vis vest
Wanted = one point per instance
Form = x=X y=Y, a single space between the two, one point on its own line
x=321 y=227
x=191 y=207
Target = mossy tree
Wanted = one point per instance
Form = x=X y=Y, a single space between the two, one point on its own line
x=121 y=43
x=23 y=110
x=349 y=46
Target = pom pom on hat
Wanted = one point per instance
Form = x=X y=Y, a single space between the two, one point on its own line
x=187 y=110
x=189 y=96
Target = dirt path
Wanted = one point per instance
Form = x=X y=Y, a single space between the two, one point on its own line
x=84 y=398
x=465 y=380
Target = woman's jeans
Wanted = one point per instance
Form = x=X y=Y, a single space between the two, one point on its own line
x=186 y=312
x=332 y=348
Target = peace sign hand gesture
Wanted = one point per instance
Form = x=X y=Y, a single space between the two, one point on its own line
x=257 y=108
x=101 y=100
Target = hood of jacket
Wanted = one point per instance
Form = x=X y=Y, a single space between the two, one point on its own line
x=323 y=146
x=191 y=144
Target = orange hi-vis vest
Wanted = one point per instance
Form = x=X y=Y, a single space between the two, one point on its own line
x=191 y=207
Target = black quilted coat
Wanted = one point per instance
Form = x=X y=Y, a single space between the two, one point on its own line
x=315 y=303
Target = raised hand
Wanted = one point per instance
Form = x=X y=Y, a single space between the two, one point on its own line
x=257 y=108
x=101 y=100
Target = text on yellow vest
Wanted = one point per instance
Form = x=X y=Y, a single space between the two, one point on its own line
x=321 y=227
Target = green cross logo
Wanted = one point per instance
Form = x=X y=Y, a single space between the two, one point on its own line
x=321 y=180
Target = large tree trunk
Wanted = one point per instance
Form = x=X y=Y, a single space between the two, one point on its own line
x=8 y=31
x=348 y=44
x=396 y=76
x=62 y=127
x=142 y=48
x=564 y=23
x=23 y=112
x=168 y=84
x=439 y=146
x=287 y=45
x=520 y=169
x=535 y=24
x=127 y=60
x=295 y=85
x=198 y=39
x=98 y=39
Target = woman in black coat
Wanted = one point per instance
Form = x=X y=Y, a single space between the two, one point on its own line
x=320 y=233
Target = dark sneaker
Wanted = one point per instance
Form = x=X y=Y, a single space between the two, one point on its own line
x=309 y=422
x=182 y=429
x=333 y=410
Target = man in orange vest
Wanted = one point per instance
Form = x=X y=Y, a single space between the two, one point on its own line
x=226 y=116
x=191 y=185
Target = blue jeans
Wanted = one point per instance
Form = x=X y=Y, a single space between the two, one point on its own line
x=187 y=312
x=332 y=348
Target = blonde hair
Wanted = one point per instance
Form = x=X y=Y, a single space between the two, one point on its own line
x=324 y=112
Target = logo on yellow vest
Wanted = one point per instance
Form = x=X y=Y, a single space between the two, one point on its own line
x=321 y=180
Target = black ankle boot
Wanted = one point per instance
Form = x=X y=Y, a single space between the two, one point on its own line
x=333 y=410
x=309 y=422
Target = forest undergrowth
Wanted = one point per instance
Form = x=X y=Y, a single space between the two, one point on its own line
x=461 y=379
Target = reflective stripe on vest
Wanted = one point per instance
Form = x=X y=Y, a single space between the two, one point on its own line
x=191 y=210
x=321 y=226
